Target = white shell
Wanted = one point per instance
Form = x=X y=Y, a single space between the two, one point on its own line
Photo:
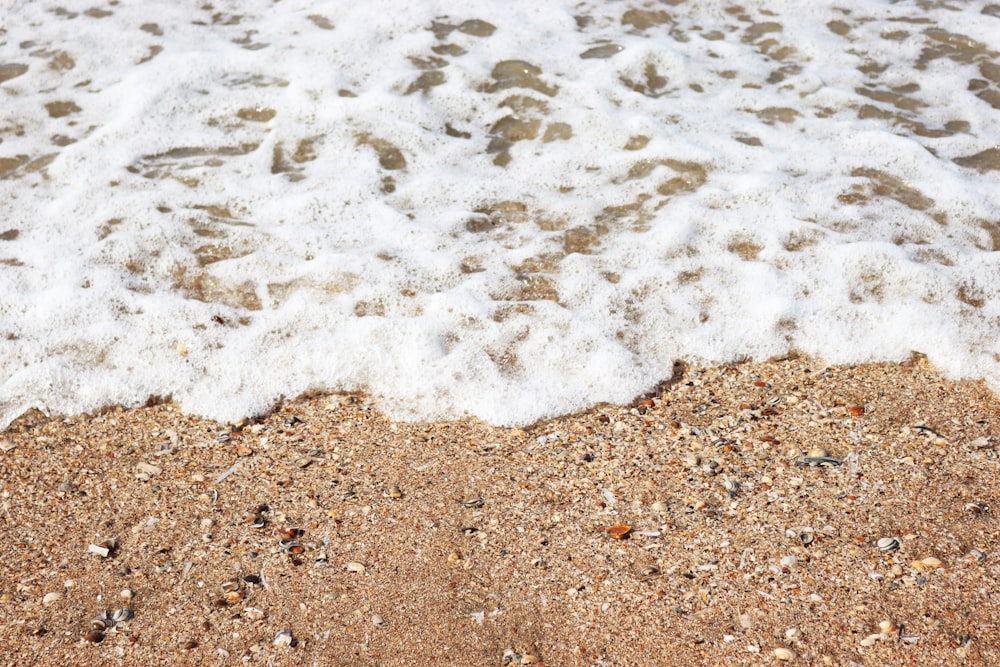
x=782 y=653
x=99 y=549
x=887 y=544
x=123 y=615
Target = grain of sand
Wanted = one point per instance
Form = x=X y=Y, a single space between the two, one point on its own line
x=462 y=543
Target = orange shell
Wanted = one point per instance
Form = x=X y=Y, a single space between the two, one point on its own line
x=619 y=532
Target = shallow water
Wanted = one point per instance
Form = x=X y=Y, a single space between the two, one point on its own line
x=514 y=211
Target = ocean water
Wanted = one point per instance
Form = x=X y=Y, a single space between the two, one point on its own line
x=503 y=209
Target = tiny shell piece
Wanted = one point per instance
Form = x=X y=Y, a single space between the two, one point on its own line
x=782 y=653
x=976 y=555
x=355 y=566
x=932 y=562
x=253 y=613
x=51 y=597
x=149 y=468
x=99 y=549
x=619 y=532
x=284 y=638
x=94 y=636
x=650 y=571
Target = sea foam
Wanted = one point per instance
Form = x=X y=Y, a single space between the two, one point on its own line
x=508 y=210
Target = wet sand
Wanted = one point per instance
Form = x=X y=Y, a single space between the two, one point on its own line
x=326 y=534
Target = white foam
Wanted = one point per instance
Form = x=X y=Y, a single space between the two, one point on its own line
x=716 y=189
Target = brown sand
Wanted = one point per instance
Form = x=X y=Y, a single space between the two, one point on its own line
x=703 y=578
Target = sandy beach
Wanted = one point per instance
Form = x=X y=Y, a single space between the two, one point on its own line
x=774 y=513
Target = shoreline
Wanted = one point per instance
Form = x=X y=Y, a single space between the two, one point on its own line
x=384 y=543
